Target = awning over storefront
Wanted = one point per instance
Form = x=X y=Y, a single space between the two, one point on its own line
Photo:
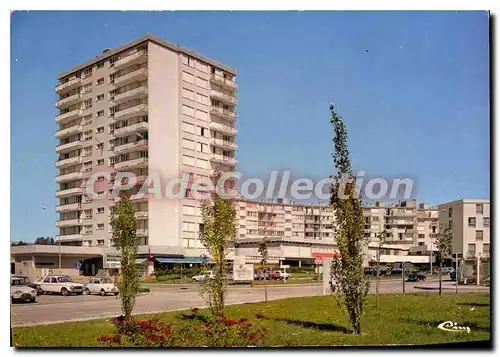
x=184 y=260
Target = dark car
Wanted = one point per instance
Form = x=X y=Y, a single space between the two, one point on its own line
x=414 y=276
x=259 y=275
x=371 y=271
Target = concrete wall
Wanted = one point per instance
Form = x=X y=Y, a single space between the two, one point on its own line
x=163 y=84
x=41 y=266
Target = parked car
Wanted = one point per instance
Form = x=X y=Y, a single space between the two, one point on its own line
x=33 y=285
x=20 y=291
x=101 y=286
x=415 y=276
x=204 y=276
x=371 y=271
x=60 y=284
x=280 y=275
x=259 y=275
x=444 y=270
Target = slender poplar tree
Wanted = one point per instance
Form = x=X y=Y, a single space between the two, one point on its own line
x=219 y=232
x=124 y=226
x=264 y=257
x=348 y=279
x=443 y=244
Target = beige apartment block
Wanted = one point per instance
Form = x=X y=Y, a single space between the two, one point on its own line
x=151 y=108
x=469 y=220
x=427 y=230
x=296 y=233
x=399 y=221
x=411 y=231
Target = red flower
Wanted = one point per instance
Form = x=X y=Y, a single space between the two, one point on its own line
x=251 y=336
x=110 y=339
x=243 y=319
x=167 y=331
x=259 y=315
x=246 y=326
x=230 y=322
x=195 y=310
x=221 y=314
x=208 y=333
x=154 y=338
x=147 y=326
x=264 y=329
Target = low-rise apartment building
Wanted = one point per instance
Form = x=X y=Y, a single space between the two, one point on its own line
x=297 y=233
x=409 y=231
x=469 y=221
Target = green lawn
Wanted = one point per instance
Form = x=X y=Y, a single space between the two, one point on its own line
x=309 y=321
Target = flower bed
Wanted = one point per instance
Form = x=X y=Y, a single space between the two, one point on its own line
x=216 y=331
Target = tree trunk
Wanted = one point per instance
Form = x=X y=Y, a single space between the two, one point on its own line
x=221 y=286
x=265 y=286
x=356 y=328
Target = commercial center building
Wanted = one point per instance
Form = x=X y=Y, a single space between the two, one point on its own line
x=153 y=108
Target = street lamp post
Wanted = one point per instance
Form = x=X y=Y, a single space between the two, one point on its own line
x=477 y=269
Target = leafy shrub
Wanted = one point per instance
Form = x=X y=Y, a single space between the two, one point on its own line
x=303 y=269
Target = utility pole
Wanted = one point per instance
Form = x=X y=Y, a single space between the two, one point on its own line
x=378 y=273
x=403 y=274
x=456 y=273
x=431 y=259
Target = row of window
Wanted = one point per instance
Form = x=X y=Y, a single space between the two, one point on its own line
x=479 y=209
x=471 y=248
x=472 y=221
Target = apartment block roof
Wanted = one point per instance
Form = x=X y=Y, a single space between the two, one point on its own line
x=466 y=200
x=146 y=38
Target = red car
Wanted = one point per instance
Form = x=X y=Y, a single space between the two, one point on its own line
x=279 y=275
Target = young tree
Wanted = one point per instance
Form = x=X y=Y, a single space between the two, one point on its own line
x=264 y=256
x=124 y=233
x=348 y=278
x=219 y=232
x=380 y=242
x=443 y=244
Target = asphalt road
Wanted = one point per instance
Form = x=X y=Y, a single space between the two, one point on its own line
x=54 y=308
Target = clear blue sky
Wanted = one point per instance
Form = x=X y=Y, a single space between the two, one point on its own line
x=415 y=104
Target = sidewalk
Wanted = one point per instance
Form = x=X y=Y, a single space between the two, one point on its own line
x=451 y=286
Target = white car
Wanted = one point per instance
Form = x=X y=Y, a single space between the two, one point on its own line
x=19 y=291
x=60 y=284
x=203 y=276
x=100 y=286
